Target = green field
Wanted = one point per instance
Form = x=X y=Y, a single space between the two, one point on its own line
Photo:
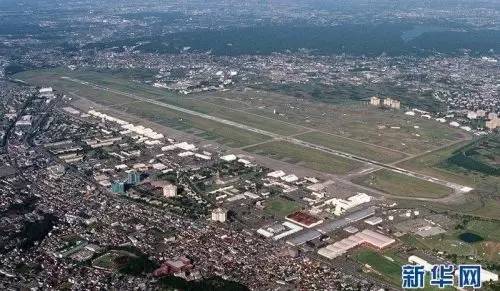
x=280 y=207
x=207 y=129
x=452 y=246
x=489 y=230
x=354 y=147
x=264 y=123
x=402 y=185
x=483 y=201
x=310 y=158
x=390 y=129
x=387 y=267
x=437 y=164
x=481 y=156
x=113 y=260
x=126 y=260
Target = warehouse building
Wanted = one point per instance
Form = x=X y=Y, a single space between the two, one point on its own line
x=368 y=237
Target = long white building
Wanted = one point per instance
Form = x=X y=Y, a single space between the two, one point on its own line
x=367 y=236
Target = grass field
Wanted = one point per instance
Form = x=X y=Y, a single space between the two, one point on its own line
x=388 y=267
x=489 y=230
x=390 y=270
x=472 y=204
x=109 y=98
x=126 y=260
x=280 y=207
x=310 y=158
x=113 y=260
x=392 y=129
x=481 y=157
x=264 y=123
x=434 y=164
x=401 y=185
x=487 y=251
x=353 y=147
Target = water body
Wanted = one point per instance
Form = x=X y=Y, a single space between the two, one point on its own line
x=469 y=237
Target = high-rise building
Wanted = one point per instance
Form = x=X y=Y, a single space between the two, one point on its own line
x=219 y=215
x=375 y=101
x=118 y=187
x=392 y=103
x=134 y=178
x=493 y=123
x=169 y=190
x=471 y=115
x=481 y=113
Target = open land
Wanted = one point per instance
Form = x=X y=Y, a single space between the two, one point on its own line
x=380 y=154
x=386 y=266
x=314 y=159
x=357 y=121
x=487 y=247
x=401 y=185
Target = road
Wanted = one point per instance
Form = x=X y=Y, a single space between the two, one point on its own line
x=459 y=189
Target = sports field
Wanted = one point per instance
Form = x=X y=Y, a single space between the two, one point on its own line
x=280 y=207
x=402 y=185
x=113 y=260
x=310 y=158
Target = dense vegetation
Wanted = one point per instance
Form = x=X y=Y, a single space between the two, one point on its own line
x=352 y=39
x=481 y=156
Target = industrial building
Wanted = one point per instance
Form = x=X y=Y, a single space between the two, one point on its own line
x=374 y=220
x=330 y=226
x=279 y=231
x=304 y=219
x=387 y=102
x=341 y=205
x=367 y=236
x=228 y=158
x=169 y=190
x=128 y=127
x=173 y=266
